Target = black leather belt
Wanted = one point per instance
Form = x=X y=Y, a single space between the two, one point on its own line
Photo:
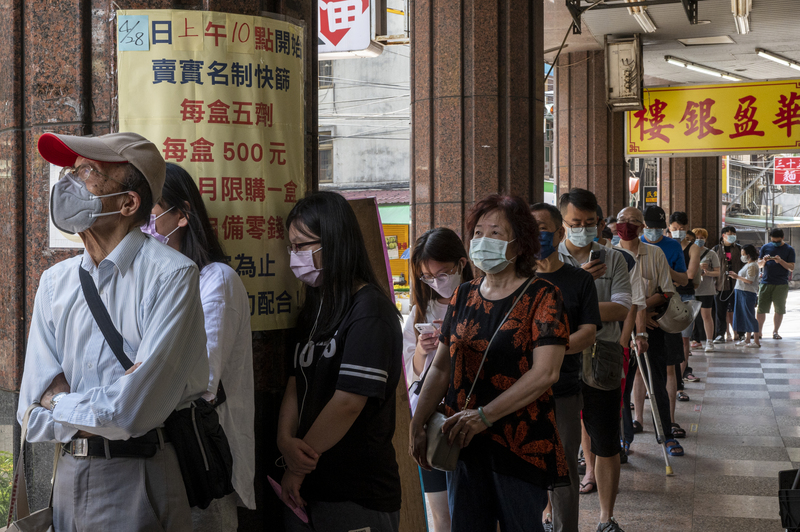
x=97 y=446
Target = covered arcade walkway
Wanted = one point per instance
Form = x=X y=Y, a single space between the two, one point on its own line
x=743 y=426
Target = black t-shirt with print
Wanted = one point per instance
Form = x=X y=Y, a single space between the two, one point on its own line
x=363 y=357
x=581 y=306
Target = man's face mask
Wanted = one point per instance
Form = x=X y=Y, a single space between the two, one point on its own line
x=581 y=236
x=652 y=234
x=730 y=238
x=678 y=235
x=73 y=208
x=150 y=227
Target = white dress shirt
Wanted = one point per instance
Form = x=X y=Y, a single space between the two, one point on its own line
x=152 y=295
x=436 y=311
x=230 y=359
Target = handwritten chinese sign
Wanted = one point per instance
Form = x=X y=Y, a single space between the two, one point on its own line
x=787 y=170
x=716 y=119
x=222 y=96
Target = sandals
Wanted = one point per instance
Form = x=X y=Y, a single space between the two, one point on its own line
x=776 y=336
x=677 y=431
x=690 y=377
x=581 y=464
x=583 y=491
x=682 y=396
x=637 y=427
x=674 y=450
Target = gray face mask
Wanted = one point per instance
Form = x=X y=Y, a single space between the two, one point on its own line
x=73 y=208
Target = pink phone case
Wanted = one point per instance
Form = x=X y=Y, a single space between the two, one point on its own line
x=299 y=512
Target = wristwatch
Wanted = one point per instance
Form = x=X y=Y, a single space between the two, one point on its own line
x=643 y=334
x=56 y=398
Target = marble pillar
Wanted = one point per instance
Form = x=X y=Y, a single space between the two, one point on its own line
x=692 y=185
x=590 y=139
x=477 y=103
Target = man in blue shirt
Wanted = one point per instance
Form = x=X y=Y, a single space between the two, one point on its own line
x=777 y=261
x=655 y=222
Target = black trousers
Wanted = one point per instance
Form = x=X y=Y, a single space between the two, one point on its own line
x=723 y=303
x=658 y=368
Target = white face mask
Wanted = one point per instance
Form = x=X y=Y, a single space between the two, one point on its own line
x=445 y=287
x=678 y=235
x=581 y=236
x=652 y=235
x=489 y=254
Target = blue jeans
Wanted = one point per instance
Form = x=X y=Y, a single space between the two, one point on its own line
x=479 y=498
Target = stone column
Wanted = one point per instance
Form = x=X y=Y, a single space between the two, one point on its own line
x=477 y=103
x=59 y=75
x=692 y=185
x=590 y=140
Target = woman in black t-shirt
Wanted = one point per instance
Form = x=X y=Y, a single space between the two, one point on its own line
x=338 y=414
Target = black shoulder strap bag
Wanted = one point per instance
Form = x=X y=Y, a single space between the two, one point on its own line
x=204 y=454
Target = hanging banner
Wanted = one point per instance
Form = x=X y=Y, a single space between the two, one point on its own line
x=701 y=120
x=724 y=162
x=787 y=170
x=222 y=96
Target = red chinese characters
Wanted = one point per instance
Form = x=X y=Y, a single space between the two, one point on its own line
x=699 y=120
x=788 y=113
x=746 y=123
x=657 y=116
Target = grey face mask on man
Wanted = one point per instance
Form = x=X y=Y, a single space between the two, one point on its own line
x=73 y=208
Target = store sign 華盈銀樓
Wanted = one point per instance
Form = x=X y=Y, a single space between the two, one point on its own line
x=698 y=120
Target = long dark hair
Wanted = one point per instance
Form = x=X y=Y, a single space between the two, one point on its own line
x=442 y=245
x=200 y=242
x=345 y=264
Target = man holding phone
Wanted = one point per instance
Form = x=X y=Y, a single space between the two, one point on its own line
x=777 y=261
x=601 y=409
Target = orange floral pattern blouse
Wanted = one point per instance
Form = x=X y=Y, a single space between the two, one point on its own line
x=524 y=444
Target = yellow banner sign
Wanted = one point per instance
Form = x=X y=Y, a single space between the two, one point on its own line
x=222 y=96
x=716 y=119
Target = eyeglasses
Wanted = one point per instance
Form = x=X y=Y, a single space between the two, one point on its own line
x=442 y=277
x=84 y=172
x=294 y=248
x=580 y=226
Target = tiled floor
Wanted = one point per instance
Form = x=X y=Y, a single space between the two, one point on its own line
x=743 y=426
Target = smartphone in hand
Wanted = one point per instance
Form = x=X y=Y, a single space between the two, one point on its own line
x=426 y=328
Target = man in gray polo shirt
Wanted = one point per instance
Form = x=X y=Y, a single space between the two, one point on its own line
x=601 y=409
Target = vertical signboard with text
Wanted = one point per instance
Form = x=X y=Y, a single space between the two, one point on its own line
x=222 y=96
x=787 y=171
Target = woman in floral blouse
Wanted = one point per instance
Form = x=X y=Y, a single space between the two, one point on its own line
x=511 y=453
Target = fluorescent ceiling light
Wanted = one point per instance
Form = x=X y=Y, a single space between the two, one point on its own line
x=778 y=59
x=641 y=16
x=741 y=15
x=704 y=41
x=704 y=70
x=700 y=68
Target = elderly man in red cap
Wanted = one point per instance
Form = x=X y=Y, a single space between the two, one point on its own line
x=117 y=470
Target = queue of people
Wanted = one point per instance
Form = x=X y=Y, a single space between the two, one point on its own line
x=503 y=352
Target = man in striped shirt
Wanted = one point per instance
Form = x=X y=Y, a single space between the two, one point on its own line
x=117 y=471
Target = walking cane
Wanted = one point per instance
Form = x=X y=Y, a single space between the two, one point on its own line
x=644 y=362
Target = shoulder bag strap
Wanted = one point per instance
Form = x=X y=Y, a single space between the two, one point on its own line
x=100 y=313
x=706 y=252
x=19 y=490
x=486 y=351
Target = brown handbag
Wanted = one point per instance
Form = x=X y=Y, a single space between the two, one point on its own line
x=440 y=454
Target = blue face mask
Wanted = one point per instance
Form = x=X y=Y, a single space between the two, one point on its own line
x=730 y=239
x=652 y=234
x=546 y=241
x=700 y=242
x=779 y=243
x=615 y=240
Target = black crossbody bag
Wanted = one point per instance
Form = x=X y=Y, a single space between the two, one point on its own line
x=201 y=446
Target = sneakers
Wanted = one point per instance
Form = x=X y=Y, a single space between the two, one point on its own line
x=742 y=342
x=719 y=339
x=709 y=346
x=754 y=346
x=611 y=526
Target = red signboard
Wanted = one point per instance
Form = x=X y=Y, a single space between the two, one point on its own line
x=787 y=170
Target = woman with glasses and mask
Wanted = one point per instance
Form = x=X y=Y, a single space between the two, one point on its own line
x=337 y=418
x=439 y=264
x=510 y=450
x=180 y=220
